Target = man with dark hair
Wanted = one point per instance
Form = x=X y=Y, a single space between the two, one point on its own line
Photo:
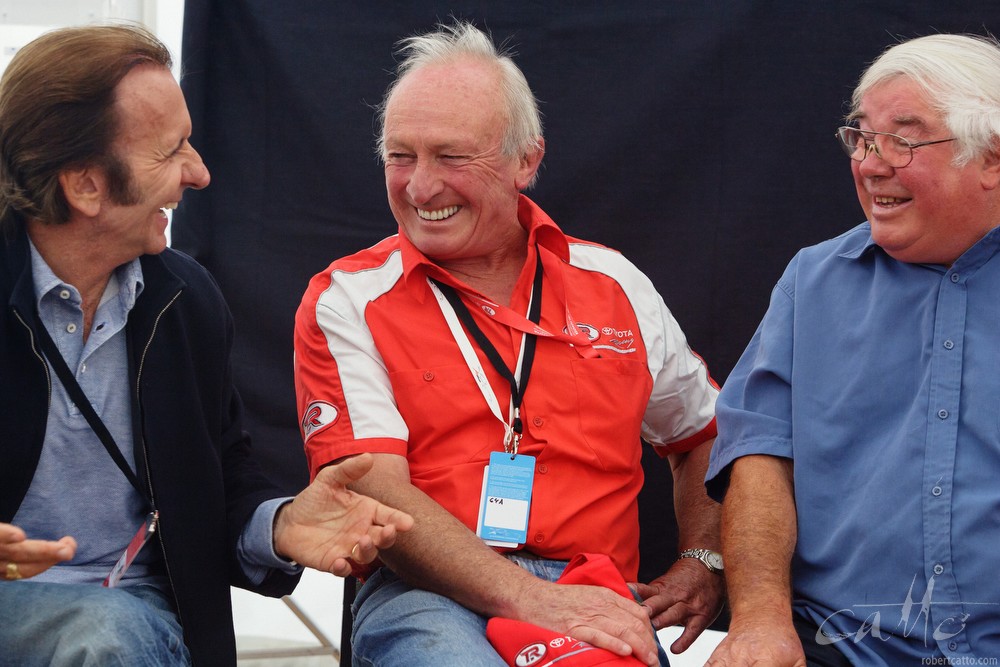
x=124 y=458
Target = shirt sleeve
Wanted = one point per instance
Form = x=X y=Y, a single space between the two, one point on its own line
x=255 y=550
x=343 y=392
x=755 y=406
x=681 y=410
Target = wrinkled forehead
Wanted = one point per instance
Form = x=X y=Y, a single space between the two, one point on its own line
x=898 y=101
x=460 y=99
x=473 y=81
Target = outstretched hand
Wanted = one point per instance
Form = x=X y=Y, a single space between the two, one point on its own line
x=327 y=525
x=30 y=557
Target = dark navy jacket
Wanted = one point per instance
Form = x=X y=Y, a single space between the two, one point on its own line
x=188 y=428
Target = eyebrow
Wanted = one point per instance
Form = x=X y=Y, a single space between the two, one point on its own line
x=908 y=121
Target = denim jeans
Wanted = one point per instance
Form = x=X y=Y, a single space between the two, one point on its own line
x=396 y=624
x=44 y=624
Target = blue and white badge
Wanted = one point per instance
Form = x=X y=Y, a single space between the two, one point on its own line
x=506 y=499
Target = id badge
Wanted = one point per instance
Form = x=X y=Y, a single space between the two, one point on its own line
x=139 y=540
x=506 y=500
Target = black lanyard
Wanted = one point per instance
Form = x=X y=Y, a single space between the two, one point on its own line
x=530 y=340
x=80 y=399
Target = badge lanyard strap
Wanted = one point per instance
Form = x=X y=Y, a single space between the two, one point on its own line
x=572 y=335
x=457 y=314
x=78 y=396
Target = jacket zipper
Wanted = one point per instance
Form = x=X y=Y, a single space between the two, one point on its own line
x=34 y=349
x=145 y=452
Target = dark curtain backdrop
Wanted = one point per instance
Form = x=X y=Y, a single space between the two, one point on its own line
x=695 y=137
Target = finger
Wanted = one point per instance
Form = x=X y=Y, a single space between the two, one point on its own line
x=668 y=614
x=630 y=644
x=10 y=534
x=383 y=537
x=631 y=630
x=364 y=551
x=642 y=590
x=41 y=551
x=13 y=570
x=692 y=631
x=66 y=549
x=9 y=571
x=390 y=516
x=341 y=567
x=347 y=471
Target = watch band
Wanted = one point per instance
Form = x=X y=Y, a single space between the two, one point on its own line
x=710 y=559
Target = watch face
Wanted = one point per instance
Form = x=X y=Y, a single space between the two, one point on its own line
x=714 y=559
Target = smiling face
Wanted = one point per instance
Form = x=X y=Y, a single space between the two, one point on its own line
x=158 y=161
x=452 y=191
x=929 y=211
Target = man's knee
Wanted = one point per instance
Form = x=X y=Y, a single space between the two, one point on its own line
x=117 y=628
x=89 y=625
x=398 y=624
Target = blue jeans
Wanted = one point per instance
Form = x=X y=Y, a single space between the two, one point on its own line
x=396 y=624
x=44 y=624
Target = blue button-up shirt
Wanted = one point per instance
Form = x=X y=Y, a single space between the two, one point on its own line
x=77 y=489
x=881 y=381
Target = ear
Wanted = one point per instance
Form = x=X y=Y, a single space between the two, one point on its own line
x=84 y=189
x=990 y=177
x=528 y=165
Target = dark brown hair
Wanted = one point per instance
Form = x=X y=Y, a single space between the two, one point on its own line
x=57 y=112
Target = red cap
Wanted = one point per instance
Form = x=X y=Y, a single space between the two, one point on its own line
x=526 y=645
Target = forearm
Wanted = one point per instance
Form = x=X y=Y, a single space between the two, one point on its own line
x=440 y=553
x=758 y=538
x=698 y=516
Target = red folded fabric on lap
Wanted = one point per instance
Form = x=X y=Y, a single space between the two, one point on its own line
x=526 y=645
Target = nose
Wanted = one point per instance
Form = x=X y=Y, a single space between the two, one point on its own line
x=424 y=182
x=196 y=174
x=876 y=166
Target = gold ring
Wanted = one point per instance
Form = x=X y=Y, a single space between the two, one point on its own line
x=13 y=574
x=354 y=550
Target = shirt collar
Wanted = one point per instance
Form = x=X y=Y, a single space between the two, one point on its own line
x=860 y=245
x=968 y=263
x=541 y=231
x=128 y=277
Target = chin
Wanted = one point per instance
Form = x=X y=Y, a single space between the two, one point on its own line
x=156 y=247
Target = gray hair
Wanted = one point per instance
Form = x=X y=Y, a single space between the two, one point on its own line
x=961 y=76
x=460 y=40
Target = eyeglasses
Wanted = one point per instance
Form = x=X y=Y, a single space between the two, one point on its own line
x=894 y=150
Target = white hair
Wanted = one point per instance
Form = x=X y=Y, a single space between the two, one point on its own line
x=961 y=76
x=447 y=43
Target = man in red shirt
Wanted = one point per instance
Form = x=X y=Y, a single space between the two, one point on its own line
x=482 y=335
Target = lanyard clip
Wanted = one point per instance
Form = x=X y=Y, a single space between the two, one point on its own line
x=512 y=435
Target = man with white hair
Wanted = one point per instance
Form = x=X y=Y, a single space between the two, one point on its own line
x=859 y=443
x=482 y=335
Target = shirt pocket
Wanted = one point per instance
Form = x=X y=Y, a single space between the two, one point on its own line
x=448 y=420
x=611 y=399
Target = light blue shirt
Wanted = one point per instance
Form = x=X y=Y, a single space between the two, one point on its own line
x=881 y=380
x=77 y=489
